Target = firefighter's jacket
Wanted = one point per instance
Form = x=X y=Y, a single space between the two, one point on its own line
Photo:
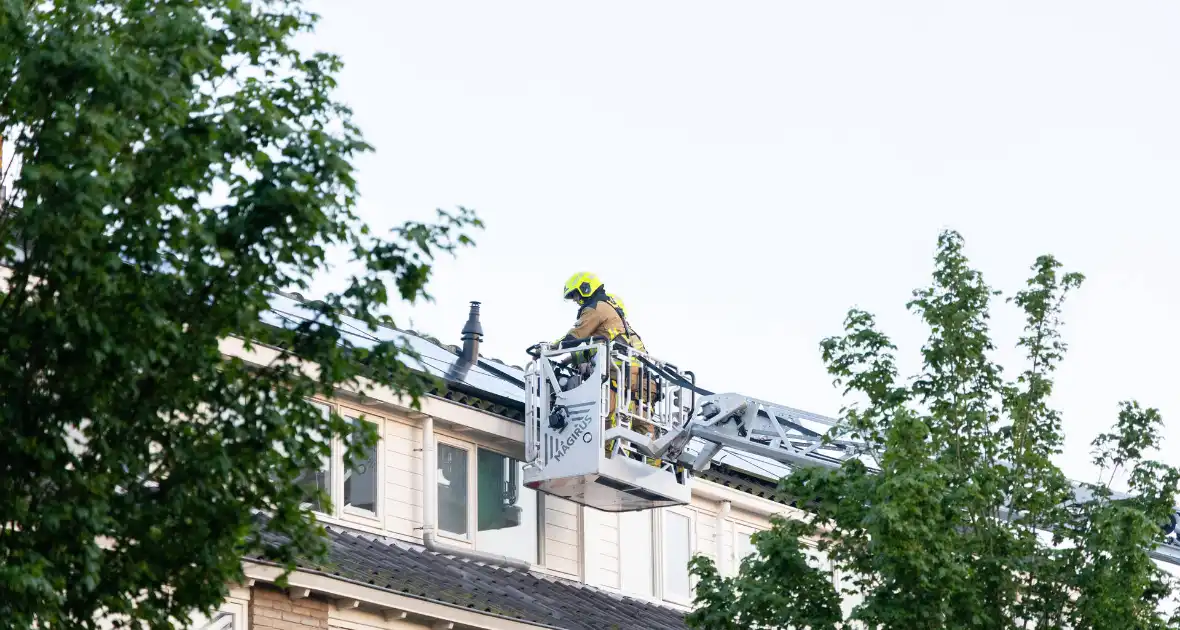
x=598 y=319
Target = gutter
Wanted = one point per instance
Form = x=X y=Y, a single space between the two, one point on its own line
x=736 y=498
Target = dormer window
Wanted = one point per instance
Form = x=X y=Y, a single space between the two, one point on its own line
x=354 y=488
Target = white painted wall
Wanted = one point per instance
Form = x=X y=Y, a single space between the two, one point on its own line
x=624 y=552
x=612 y=551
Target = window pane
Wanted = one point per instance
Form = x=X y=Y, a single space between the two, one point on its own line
x=228 y=616
x=676 y=557
x=818 y=559
x=221 y=620
x=635 y=550
x=507 y=517
x=452 y=490
x=745 y=546
x=317 y=479
x=361 y=478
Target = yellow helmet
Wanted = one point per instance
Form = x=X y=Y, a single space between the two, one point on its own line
x=581 y=285
x=617 y=301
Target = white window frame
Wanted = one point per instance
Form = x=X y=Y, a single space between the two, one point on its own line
x=472 y=489
x=660 y=547
x=659 y=551
x=238 y=608
x=374 y=517
x=541 y=529
x=318 y=403
x=473 y=505
x=471 y=539
x=336 y=470
x=655 y=567
x=740 y=530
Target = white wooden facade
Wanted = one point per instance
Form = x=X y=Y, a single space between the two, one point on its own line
x=639 y=554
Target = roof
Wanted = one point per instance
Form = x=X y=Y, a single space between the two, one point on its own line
x=409 y=569
x=742 y=481
x=492 y=386
x=497 y=387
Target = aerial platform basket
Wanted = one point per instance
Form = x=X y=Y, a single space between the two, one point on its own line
x=585 y=402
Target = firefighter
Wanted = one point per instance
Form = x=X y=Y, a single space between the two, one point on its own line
x=636 y=342
x=596 y=316
x=644 y=397
x=599 y=317
x=617 y=302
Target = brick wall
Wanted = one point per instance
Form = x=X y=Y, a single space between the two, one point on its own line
x=272 y=609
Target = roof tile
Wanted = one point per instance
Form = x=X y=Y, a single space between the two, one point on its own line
x=403 y=567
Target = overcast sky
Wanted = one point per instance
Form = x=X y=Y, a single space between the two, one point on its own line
x=742 y=173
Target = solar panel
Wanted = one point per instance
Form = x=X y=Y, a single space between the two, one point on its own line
x=493 y=378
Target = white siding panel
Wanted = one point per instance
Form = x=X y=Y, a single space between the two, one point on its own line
x=676 y=546
x=398 y=494
x=605 y=571
x=562 y=535
x=608 y=536
x=707 y=535
x=398 y=460
x=559 y=505
x=637 y=547
x=561 y=520
x=402 y=526
x=562 y=542
x=403 y=479
x=607 y=577
x=402 y=429
x=727 y=547
x=402 y=445
x=743 y=546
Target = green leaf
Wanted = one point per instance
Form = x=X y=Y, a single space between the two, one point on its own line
x=178 y=161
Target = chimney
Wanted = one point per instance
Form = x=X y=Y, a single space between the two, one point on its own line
x=472 y=334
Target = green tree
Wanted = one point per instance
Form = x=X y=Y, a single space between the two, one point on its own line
x=960 y=519
x=178 y=159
